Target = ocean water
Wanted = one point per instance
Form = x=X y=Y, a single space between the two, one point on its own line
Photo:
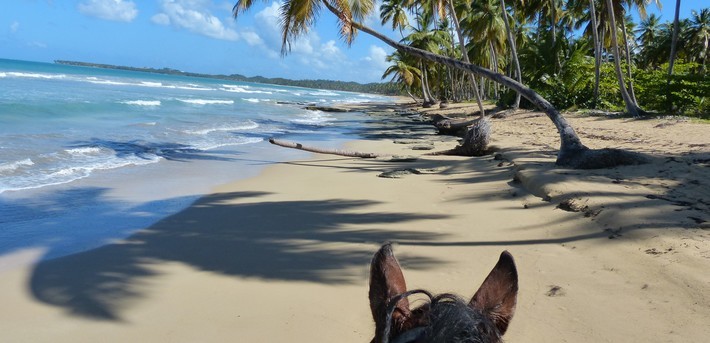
x=88 y=155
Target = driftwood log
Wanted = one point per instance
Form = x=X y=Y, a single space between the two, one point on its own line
x=346 y=153
x=338 y=152
x=475 y=141
x=452 y=126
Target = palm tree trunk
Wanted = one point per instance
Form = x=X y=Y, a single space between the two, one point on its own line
x=628 y=64
x=597 y=53
x=428 y=87
x=674 y=42
x=514 y=51
x=494 y=66
x=631 y=107
x=422 y=81
x=553 y=30
x=464 y=54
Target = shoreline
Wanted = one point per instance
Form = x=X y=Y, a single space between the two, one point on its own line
x=284 y=255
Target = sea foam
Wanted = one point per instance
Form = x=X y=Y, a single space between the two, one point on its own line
x=207 y=101
x=12 y=166
x=142 y=102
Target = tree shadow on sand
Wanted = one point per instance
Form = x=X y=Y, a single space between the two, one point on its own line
x=286 y=240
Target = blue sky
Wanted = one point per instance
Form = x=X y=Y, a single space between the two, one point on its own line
x=197 y=36
x=191 y=35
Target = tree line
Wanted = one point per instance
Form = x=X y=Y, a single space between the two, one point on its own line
x=438 y=68
x=574 y=53
x=384 y=88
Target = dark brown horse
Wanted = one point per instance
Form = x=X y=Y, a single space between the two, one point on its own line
x=445 y=317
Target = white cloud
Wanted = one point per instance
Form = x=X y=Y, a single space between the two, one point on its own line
x=161 y=19
x=377 y=57
x=115 y=10
x=194 y=16
x=310 y=57
x=14 y=26
x=307 y=49
x=252 y=38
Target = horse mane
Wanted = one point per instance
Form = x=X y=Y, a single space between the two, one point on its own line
x=447 y=318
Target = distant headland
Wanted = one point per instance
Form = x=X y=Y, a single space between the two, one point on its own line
x=376 y=88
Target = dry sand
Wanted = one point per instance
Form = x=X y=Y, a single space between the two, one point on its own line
x=618 y=255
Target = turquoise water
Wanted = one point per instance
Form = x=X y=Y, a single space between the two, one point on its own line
x=90 y=154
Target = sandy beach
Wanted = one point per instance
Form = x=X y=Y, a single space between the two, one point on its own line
x=613 y=255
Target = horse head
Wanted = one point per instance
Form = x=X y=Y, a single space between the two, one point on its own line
x=445 y=317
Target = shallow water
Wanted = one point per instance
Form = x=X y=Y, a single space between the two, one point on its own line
x=89 y=155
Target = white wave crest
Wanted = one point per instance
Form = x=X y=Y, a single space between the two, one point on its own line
x=249 y=125
x=242 y=89
x=142 y=102
x=35 y=75
x=12 y=166
x=83 y=151
x=323 y=93
x=207 y=102
x=192 y=87
x=214 y=144
x=151 y=84
x=109 y=82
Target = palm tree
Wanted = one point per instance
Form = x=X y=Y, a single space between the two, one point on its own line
x=648 y=33
x=485 y=23
x=396 y=12
x=587 y=14
x=698 y=36
x=402 y=73
x=550 y=11
x=628 y=26
x=513 y=51
x=464 y=55
x=299 y=14
x=674 y=41
x=631 y=106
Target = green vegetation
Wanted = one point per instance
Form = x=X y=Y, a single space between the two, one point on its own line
x=560 y=50
x=375 y=88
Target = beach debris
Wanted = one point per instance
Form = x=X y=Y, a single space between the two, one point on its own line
x=407 y=141
x=398 y=173
x=346 y=153
x=475 y=141
x=654 y=251
x=572 y=205
x=328 y=108
x=555 y=291
x=423 y=147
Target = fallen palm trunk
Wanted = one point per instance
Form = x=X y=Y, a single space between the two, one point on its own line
x=475 y=142
x=347 y=153
x=452 y=126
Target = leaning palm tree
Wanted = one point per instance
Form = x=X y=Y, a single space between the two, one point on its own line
x=297 y=16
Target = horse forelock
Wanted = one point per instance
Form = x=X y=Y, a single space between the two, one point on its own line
x=444 y=318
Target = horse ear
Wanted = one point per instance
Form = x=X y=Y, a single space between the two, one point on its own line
x=497 y=296
x=386 y=282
